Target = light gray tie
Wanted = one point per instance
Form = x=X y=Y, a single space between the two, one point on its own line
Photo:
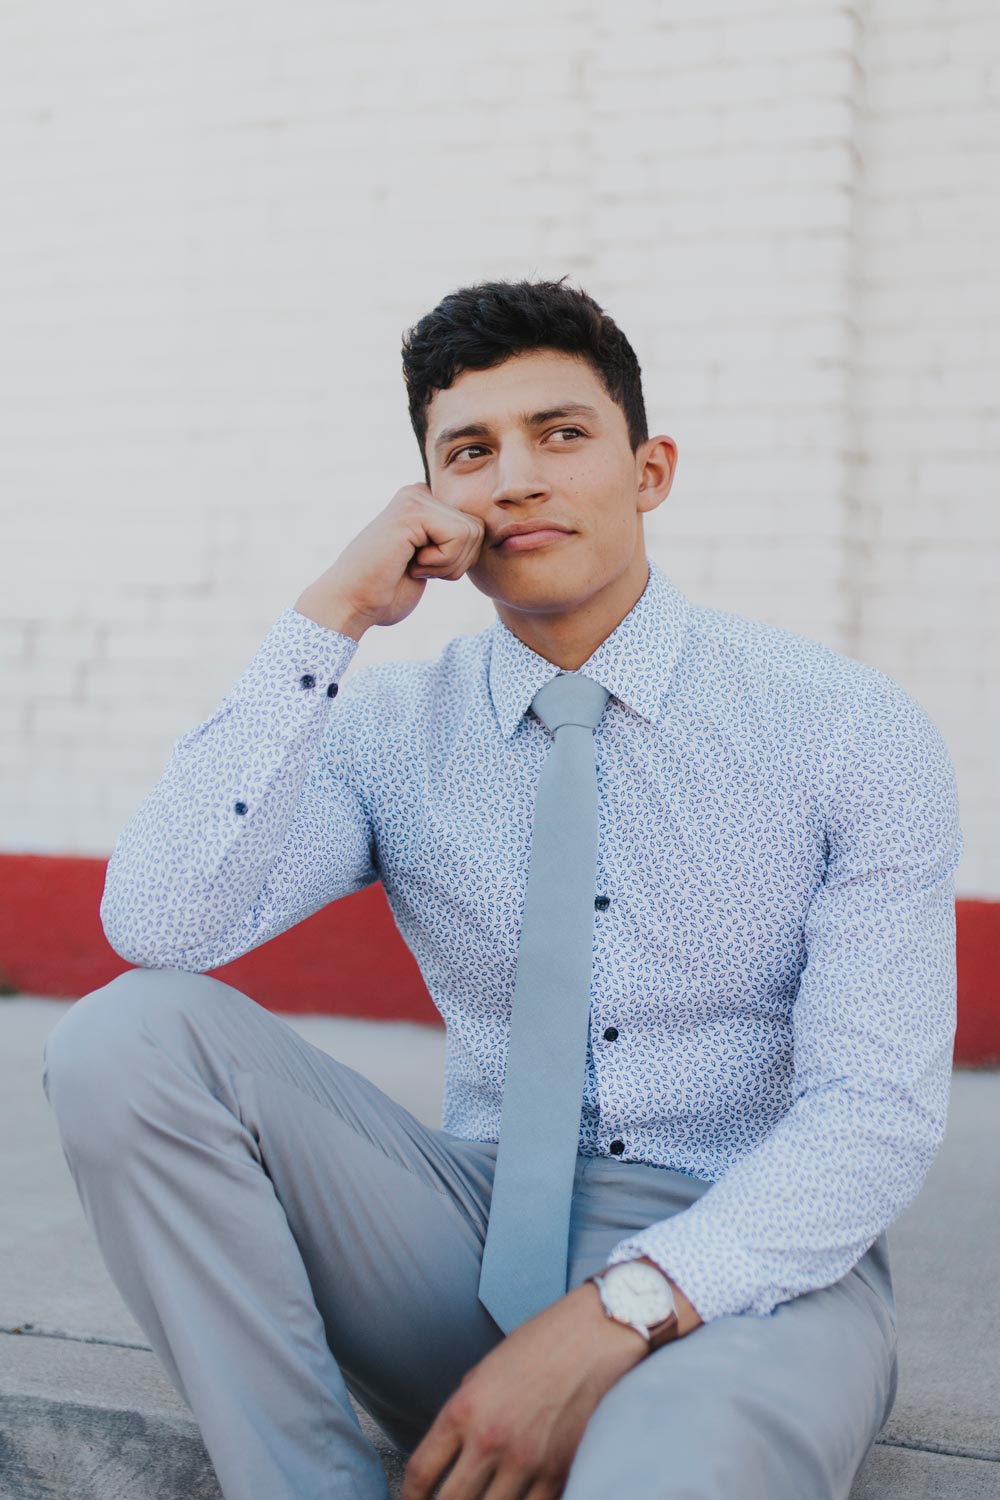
x=524 y=1266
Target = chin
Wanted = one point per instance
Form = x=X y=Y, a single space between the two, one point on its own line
x=522 y=580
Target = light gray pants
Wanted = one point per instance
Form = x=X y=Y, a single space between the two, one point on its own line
x=284 y=1232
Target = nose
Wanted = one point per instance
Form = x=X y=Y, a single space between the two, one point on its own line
x=518 y=473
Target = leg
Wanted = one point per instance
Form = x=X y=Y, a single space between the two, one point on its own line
x=744 y=1408
x=281 y=1229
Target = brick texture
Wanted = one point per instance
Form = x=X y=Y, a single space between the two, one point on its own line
x=219 y=220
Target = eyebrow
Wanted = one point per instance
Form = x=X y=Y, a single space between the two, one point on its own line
x=529 y=419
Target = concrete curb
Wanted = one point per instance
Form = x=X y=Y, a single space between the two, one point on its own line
x=102 y=1421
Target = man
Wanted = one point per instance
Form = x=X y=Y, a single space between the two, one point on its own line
x=771 y=1010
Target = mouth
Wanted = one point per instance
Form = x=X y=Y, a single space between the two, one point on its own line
x=529 y=540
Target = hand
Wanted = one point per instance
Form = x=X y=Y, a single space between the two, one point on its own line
x=374 y=580
x=512 y=1427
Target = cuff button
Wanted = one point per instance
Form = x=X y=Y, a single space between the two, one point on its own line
x=331 y=691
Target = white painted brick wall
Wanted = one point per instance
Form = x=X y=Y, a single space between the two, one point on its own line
x=922 y=496
x=218 y=222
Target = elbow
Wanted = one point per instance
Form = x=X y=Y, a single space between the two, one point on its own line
x=121 y=939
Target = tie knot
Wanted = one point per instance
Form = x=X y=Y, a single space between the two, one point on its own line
x=570 y=698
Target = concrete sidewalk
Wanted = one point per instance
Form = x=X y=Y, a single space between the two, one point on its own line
x=86 y=1410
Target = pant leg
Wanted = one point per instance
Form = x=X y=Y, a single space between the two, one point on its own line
x=282 y=1230
x=784 y=1407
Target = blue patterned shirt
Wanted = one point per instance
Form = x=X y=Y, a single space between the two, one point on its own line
x=773 y=1000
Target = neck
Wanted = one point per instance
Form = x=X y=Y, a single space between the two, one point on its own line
x=571 y=637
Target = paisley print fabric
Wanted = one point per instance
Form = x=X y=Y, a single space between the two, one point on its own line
x=773 y=996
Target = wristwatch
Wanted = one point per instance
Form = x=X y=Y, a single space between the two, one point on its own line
x=637 y=1293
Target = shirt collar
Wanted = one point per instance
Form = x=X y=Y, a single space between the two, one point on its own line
x=635 y=662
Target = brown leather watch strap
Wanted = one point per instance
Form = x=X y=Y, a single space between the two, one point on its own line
x=663 y=1332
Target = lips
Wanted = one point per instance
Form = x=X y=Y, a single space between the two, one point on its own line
x=526 y=528
x=524 y=541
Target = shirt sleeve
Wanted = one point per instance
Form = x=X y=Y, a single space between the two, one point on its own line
x=258 y=820
x=873 y=1031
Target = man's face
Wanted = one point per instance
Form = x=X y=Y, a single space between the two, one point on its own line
x=549 y=445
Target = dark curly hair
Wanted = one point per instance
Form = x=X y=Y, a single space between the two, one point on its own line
x=479 y=326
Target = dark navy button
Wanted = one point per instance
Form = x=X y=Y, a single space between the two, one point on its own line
x=611 y=1034
x=617 y=1147
x=602 y=902
x=240 y=807
x=307 y=681
x=331 y=691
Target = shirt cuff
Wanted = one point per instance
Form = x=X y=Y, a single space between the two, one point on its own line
x=710 y=1283
x=298 y=653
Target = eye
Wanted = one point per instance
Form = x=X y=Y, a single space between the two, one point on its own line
x=575 y=431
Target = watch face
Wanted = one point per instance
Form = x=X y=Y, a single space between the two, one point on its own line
x=638 y=1292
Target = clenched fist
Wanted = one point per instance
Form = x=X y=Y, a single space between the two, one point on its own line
x=376 y=579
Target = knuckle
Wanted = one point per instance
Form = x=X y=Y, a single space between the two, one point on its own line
x=457 y=1411
x=526 y=1459
x=492 y=1439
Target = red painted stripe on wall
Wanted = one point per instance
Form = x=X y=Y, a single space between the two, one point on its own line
x=348 y=959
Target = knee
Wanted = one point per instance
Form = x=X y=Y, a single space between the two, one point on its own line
x=97 y=1049
x=707 y=1442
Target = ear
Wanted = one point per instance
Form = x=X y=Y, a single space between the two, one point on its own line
x=656 y=462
